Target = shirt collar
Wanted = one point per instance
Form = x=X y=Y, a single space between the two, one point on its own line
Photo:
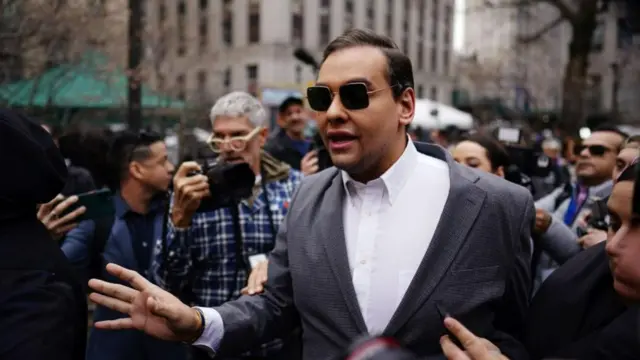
x=122 y=208
x=394 y=178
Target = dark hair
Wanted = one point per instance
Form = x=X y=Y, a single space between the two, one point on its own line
x=399 y=69
x=128 y=146
x=291 y=100
x=613 y=129
x=88 y=147
x=629 y=172
x=497 y=154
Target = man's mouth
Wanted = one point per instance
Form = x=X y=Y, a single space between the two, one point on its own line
x=341 y=141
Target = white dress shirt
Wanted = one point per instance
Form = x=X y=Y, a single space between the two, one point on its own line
x=389 y=223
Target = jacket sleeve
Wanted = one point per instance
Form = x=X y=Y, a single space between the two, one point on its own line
x=559 y=242
x=76 y=244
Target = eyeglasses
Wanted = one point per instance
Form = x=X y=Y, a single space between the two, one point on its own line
x=236 y=143
x=354 y=96
x=595 y=150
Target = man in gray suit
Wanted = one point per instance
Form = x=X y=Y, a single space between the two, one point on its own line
x=394 y=235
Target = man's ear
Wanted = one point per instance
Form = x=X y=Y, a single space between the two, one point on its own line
x=135 y=170
x=263 y=135
x=407 y=106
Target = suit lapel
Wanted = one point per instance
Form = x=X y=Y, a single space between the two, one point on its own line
x=333 y=238
x=460 y=211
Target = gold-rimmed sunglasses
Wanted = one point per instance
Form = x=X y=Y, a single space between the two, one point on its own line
x=235 y=143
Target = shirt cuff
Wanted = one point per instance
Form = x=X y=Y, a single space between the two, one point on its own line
x=213 y=332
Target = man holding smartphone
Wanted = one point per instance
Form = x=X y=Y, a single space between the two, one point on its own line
x=142 y=173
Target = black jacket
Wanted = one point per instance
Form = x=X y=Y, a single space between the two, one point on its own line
x=43 y=311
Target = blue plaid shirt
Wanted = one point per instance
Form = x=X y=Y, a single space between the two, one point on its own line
x=201 y=260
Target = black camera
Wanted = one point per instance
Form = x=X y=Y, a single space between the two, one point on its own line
x=377 y=348
x=228 y=183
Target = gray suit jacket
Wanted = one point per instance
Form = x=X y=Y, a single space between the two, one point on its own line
x=477 y=267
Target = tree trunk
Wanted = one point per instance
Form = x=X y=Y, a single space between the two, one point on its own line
x=575 y=75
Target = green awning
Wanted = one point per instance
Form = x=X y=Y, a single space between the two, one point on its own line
x=82 y=85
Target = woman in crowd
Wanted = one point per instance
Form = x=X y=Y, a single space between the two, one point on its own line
x=483 y=153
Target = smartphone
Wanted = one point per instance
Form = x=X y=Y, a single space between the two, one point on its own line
x=98 y=204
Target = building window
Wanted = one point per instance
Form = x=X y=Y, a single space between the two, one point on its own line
x=389 y=19
x=405 y=26
x=348 y=14
x=446 y=61
x=160 y=82
x=593 y=94
x=371 y=15
x=162 y=13
x=421 y=10
x=182 y=41
x=448 y=20
x=180 y=86
x=254 y=21
x=434 y=21
x=325 y=22
x=420 y=91
x=297 y=22
x=252 y=79
x=204 y=26
x=434 y=93
x=434 y=60
x=298 y=76
x=227 y=22
x=420 y=58
x=226 y=81
x=202 y=84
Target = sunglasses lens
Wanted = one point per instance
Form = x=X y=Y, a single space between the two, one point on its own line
x=319 y=98
x=354 y=96
x=597 y=150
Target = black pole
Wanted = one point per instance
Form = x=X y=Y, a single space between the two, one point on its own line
x=134 y=91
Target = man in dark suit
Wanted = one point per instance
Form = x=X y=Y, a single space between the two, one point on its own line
x=379 y=244
x=43 y=311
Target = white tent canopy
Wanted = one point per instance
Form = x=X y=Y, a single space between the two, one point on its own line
x=424 y=116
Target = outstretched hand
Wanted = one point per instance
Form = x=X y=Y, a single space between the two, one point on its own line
x=475 y=348
x=150 y=309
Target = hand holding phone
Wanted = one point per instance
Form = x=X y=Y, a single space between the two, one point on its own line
x=97 y=204
x=60 y=215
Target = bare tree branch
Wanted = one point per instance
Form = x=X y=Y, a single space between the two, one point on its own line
x=527 y=39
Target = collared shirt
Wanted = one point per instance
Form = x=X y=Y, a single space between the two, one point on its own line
x=389 y=224
x=202 y=258
x=142 y=230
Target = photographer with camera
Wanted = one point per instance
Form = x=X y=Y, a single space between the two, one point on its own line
x=212 y=247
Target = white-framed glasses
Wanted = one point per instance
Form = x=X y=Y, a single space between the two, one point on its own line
x=235 y=143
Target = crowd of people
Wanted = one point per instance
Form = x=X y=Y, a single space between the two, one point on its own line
x=360 y=231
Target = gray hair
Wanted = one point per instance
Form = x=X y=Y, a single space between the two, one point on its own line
x=239 y=103
x=551 y=144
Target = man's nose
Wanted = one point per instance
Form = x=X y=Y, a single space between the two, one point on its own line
x=335 y=110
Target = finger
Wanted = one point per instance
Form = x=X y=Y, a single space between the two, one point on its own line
x=117 y=291
x=65 y=229
x=245 y=290
x=191 y=189
x=314 y=169
x=111 y=303
x=118 y=324
x=451 y=350
x=51 y=204
x=61 y=207
x=186 y=168
x=69 y=217
x=471 y=343
x=136 y=280
x=310 y=154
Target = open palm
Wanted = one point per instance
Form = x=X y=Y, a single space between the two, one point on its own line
x=150 y=309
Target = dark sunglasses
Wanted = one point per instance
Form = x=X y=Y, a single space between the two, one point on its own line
x=595 y=150
x=354 y=96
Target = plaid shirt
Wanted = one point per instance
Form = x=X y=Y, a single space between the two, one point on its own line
x=201 y=260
